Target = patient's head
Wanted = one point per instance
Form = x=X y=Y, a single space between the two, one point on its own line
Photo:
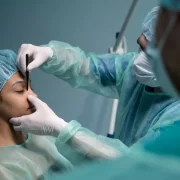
x=13 y=92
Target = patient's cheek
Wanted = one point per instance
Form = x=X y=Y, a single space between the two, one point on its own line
x=15 y=105
x=17 y=109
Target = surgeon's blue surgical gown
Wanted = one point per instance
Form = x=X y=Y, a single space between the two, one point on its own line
x=112 y=75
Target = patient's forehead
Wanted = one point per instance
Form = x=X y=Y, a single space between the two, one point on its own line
x=16 y=77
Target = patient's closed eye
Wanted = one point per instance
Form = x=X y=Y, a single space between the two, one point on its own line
x=19 y=89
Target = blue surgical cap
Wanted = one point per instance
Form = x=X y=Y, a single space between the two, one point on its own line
x=148 y=26
x=7 y=66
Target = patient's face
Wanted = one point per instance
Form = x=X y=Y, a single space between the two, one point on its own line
x=13 y=99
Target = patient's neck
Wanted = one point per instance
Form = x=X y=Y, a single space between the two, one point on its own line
x=8 y=136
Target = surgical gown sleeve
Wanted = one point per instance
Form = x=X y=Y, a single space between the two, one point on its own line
x=132 y=167
x=79 y=144
x=156 y=158
x=97 y=73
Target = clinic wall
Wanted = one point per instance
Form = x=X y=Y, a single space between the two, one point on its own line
x=90 y=25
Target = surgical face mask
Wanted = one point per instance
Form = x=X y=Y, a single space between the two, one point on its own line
x=143 y=70
x=158 y=67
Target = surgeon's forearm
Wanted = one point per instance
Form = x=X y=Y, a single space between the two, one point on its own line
x=92 y=146
x=80 y=144
x=96 y=73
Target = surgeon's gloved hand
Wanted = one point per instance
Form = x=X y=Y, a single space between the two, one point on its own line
x=42 y=122
x=37 y=56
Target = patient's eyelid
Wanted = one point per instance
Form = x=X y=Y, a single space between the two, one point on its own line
x=19 y=88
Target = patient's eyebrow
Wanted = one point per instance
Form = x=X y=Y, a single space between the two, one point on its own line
x=17 y=82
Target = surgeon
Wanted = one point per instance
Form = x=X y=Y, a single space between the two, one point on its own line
x=128 y=77
x=159 y=157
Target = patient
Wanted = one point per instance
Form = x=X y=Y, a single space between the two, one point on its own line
x=22 y=156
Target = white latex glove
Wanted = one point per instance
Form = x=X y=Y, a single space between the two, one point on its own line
x=37 y=56
x=42 y=122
